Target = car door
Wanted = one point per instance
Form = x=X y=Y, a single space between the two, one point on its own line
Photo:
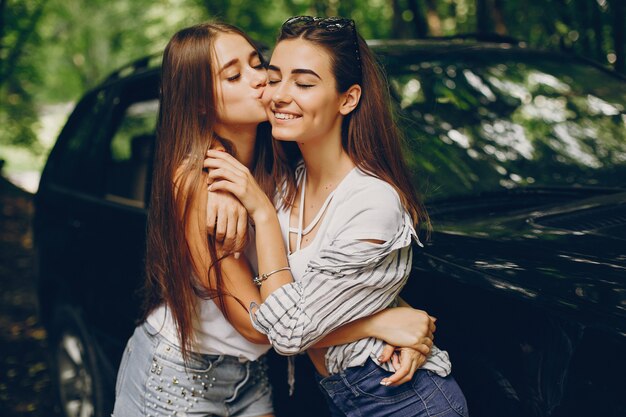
x=119 y=216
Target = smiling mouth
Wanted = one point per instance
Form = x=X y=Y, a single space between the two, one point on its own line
x=286 y=116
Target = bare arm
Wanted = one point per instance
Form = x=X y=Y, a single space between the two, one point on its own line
x=231 y=176
x=400 y=327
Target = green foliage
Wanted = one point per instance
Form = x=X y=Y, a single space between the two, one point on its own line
x=52 y=51
x=19 y=74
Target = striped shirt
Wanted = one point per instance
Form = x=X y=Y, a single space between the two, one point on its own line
x=340 y=277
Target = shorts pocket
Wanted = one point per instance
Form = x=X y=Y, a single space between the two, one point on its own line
x=167 y=354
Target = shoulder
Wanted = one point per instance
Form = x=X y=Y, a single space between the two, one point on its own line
x=369 y=192
x=368 y=208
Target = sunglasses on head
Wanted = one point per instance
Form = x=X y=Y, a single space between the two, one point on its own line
x=330 y=24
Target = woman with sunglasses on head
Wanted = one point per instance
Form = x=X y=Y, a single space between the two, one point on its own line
x=196 y=351
x=346 y=218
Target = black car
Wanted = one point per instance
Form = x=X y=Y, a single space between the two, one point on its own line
x=521 y=156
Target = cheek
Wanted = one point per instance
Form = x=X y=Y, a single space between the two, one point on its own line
x=319 y=106
x=268 y=93
x=229 y=96
x=228 y=101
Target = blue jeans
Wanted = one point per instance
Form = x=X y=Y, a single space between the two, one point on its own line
x=356 y=392
x=153 y=380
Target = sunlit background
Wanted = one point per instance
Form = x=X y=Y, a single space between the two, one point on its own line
x=52 y=51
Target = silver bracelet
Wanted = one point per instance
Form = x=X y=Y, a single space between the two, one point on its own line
x=258 y=280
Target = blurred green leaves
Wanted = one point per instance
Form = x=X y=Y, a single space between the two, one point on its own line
x=18 y=74
x=52 y=51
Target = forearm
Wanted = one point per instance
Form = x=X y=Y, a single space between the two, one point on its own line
x=271 y=253
x=301 y=314
x=241 y=292
x=358 y=329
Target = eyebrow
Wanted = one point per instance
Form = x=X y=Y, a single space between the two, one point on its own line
x=295 y=71
x=236 y=60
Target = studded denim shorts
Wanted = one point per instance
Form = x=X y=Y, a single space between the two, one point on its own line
x=153 y=380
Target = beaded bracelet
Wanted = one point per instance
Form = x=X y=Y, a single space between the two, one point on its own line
x=258 y=280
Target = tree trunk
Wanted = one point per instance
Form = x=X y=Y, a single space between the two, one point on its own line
x=498 y=17
x=9 y=65
x=483 y=24
x=547 y=18
x=320 y=7
x=598 y=33
x=584 y=29
x=419 y=22
x=345 y=8
x=396 y=19
x=619 y=36
x=216 y=8
x=3 y=8
x=432 y=16
x=564 y=12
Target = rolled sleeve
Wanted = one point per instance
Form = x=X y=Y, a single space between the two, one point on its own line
x=346 y=281
x=350 y=277
x=282 y=319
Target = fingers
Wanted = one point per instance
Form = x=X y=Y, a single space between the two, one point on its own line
x=224 y=158
x=227 y=186
x=424 y=348
x=211 y=216
x=395 y=361
x=242 y=230
x=227 y=221
x=403 y=366
x=221 y=177
x=224 y=173
x=416 y=363
x=220 y=229
x=410 y=362
x=231 y=231
x=387 y=352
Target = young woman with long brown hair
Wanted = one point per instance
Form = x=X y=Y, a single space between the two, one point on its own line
x=196 y=351
x=339 y=248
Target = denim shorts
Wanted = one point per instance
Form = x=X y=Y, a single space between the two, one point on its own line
x=153 y=380
x=356 y=392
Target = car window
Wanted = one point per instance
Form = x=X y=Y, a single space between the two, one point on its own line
x=76 y=162
x=130 y=151
x=486 y=122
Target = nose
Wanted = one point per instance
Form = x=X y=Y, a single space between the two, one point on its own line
x=281 y=94
x=259 y=79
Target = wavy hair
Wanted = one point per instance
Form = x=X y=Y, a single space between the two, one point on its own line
x=177 y=272
x=369 y=134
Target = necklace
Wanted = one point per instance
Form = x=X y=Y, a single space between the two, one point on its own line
x=300 y=231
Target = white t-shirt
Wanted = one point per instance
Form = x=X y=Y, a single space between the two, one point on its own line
x=212 y=333
x=340 y=277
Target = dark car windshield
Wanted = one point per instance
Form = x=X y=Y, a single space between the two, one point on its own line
x=484 y=120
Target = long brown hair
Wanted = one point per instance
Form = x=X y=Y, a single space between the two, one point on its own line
x=370 y=135
x=185 y=131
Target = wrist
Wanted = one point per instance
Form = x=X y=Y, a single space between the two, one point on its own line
x=376 y=326
x=264 y=214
